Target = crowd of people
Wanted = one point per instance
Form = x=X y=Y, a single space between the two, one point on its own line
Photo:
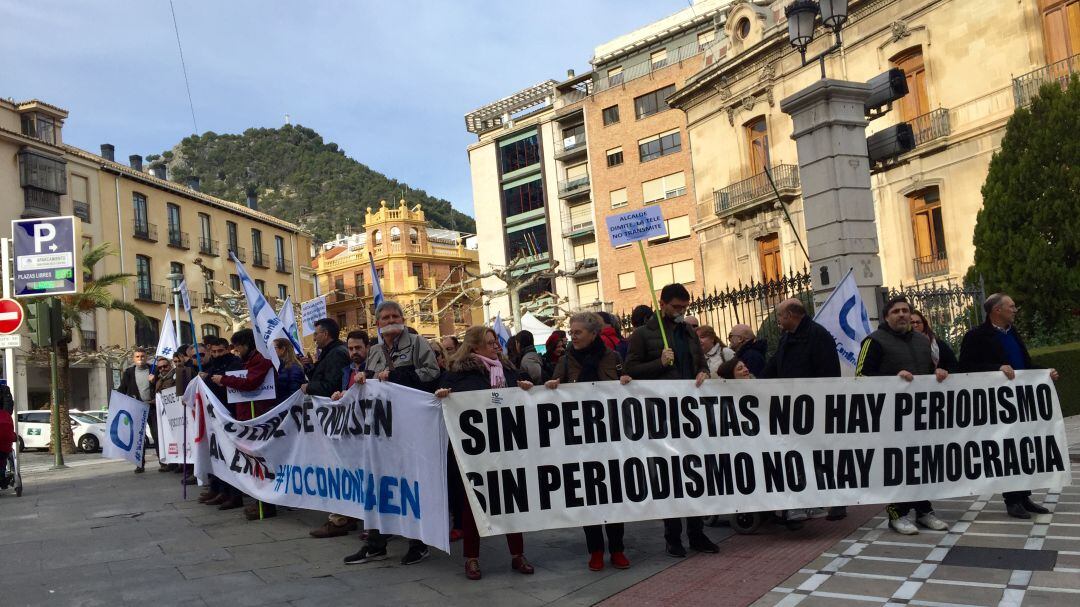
x=593 y=349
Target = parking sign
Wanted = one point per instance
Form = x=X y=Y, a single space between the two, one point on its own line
x=44 y=256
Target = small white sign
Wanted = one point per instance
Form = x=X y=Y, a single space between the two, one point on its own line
x=267 y=391
x=10 y=341
x=45 y=261
x=311 y=311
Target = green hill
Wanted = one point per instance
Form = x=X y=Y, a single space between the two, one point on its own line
x=298 y=177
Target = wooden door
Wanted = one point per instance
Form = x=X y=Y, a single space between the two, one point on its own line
x=769 y=254
x=757 y=135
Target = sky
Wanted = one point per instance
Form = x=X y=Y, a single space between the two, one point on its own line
x=389 y=82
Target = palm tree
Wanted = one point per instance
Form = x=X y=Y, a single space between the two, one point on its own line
x=96 y=294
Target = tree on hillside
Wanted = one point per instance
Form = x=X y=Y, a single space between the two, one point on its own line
x=1027 y=235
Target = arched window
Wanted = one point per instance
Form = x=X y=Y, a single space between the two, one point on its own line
x=414 y=236
x=395 y=234
x=378 y=237
x=757 y=136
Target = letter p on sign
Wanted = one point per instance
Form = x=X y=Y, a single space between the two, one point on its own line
x=43 y=233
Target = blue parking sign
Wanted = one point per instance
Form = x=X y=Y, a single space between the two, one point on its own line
x=45 y=256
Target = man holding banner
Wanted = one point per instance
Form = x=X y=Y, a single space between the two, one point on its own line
x=648 y=358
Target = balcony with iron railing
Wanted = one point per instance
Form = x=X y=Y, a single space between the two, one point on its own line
x=747 y=194
x=359 y=291
x=570 y=146
x=208 y=298
x=582 y=268
x=144 y=230
x=151 y=293
x=179 y=239
x=648 y=66
x=572 y=188
x=928 y=266
x=1026 y=87
x=240 y=252
x=260 y=260
x=208 y=246
x=283 y=265
x=81 y=210
x=89 y=340
x=930 y=126
x=578 y=226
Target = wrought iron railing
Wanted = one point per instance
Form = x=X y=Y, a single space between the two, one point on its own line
x=149 y=292
x=144 y=230
x=283 y=265
x=208 y=246
x=756 y=189
x=572 y=187
x=240 y=252
x=81 y=210
x=930 y=125
x=931 y=265
x=1026 y=87
x=260 y=260
x=647 y=66
x=179 y=239
x=951 y=308
x=89 y=340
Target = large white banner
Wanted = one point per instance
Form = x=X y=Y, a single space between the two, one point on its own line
x=174 y=431
x=127 y=427
x=378 y=454
x=601 y=452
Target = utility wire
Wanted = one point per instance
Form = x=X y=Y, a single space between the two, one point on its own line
x=183 y=66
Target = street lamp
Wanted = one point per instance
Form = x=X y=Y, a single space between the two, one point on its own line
x=801 y=16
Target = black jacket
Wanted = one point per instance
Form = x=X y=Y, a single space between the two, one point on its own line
x=946 y=358
x=886 y=352
x=752 y=354
x=808 y=352
x=218 y=366
x=128 y=385
x=981 y=350
x=646 y=345
x=470 y=374
x=325 y=377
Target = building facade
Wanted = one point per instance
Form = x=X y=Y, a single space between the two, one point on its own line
x=156 y=228
x=968 y=66
x=426 y=270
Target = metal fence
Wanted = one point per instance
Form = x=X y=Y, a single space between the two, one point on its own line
x=950 y=307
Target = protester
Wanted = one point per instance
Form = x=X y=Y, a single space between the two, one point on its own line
x=691 y=323
x=220 y=494
x=135 y=382
x=895 y=349
x=995 y=345
x=716 y=353
x=590 y=359
x=734 y=369
x=680 y=359
x=748 y=348
x=290 y=373
x=163 y=378
x=325 y=376
x=477 y=366
x=612 y=335
x=8 y=439
x=450 y=344
x=528 y=361
x=641 y=315
x=402 y=358
x=455 y=489
x=554 y=348
x=940 y=350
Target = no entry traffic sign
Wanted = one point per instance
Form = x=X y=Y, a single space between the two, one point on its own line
x=11 y=316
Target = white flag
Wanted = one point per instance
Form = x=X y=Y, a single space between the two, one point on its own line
x=264 y=321
x=126 y=429
x=184 y=295
x=844 y=315
x=167 y=344
x=501 y=332
x=288 y=320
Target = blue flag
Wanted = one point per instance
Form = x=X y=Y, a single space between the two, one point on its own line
x=288 y=320
x=376 y=288
x=264 y=321
x=501 y=331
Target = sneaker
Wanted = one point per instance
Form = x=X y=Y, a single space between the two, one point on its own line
x=904 y=525
x=596 y=561
x=365 y=555
x=140 y=470
x=414 y=555
x=932 y=522
x=619 y=560
x=472 y=569
x=704 y=544
x=676 y=550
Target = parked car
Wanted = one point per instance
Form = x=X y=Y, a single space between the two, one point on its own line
x=35 y=430
x=103 y=415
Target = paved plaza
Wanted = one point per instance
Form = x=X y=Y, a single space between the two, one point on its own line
x=96 y=534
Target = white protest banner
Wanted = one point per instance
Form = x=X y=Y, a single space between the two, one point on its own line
x=266 y=391
x=593 y=453
x=310 y=311
x=127 y=427
x=172 y=428
x=378 y=454
x=844 y=315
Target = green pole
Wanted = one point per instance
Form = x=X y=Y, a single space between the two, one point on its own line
x=51 y=308
x=652 y=291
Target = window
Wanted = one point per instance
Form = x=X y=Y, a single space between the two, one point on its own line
x=173 y=212
x=915 y=103
x=234 y=282
x=342 y=320
x=256 y=246
x=577 y=173
x=615 y=75
x=519 y=152
x=588 y=293
x=175 y=267
x=279 y=251
x=618 y=198
x=261 y=285
x=928 y=231
x=80 y=197
x=146 y=332
x=418 y=270
x=742 y=28
x=282 y=292
x=523 y=197
x=589 y=250
x=339 y=283
x=757 y=136
x=1061 y=29
x=627 y=281
x=573 y=137
x=39 y=127
x=769 y=256
x=142 y=276
x=663 y=144
x=187 y=333
x=208 y=293
x=87 y=245
x=395 y=234
x=231 y=234
x=377 y=237
x=211 y=330
x=614 y=157
x=681 y=272
x=528 y=242
x=611 y=115
x=204 y=227
x=651 y=103
x=677 y=227
x=668 y=186
x=705 y=38
x=658 y=58
x=142 y=220
x=414 y=236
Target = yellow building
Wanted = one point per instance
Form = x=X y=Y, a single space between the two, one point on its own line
x=968 y=64
x=420 y=267
x=157 y=228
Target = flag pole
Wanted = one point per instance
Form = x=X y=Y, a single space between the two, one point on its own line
x=652 y=291
x=251 y=403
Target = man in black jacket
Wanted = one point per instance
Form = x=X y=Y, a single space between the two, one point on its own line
x=996 y=346
x=750 y=350
x=136 y=382
x=894 y=349
x=325 y=377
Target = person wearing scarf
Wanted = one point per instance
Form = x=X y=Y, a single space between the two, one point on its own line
x=554 y=348
x=589 y=359
x=477 y=365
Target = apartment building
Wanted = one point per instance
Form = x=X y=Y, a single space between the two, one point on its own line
x=425 y=269
x=968 y=64
x=156 y=227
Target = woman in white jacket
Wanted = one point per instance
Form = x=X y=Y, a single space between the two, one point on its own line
x=716 y=353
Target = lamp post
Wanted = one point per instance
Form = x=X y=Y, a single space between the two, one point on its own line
x=802 y=17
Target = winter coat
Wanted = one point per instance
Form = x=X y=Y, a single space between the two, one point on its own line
x=717 y=356
x=532 y=365
x=808 y=352
x=886 y=352
x=981 y=350
x=129 y=386
x=257 y=367
x=218 y=366
x=165 y=381
x=414 y=364
x=470 y=374
x=289 y=379
x=325 y=377
x=752 y=354
x=613 y=341
x=568 y=368
x=646 y=345
x=7 y=432
x=946 y=357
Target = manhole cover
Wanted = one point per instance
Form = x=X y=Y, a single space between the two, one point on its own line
x=1001 y=558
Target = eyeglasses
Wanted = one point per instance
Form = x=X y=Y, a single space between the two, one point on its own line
x=916 y=321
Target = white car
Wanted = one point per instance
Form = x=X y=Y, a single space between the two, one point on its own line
x=35 y=430
x=103 y=415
